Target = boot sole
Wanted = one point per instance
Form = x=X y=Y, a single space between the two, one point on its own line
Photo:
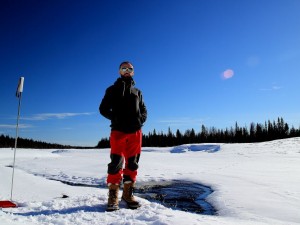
x=129 y=206
x=112 y=208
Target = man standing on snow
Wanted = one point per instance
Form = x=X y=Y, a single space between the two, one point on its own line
x=123 y=105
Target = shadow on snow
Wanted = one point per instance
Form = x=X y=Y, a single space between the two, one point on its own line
x=89 y=209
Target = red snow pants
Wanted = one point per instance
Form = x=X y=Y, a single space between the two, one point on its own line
x=124 y=147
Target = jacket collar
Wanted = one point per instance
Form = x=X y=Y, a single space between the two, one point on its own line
x=128 y=81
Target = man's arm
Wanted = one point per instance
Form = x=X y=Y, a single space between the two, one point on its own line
x=105 y=105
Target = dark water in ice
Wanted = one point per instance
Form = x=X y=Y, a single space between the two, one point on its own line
x=180 y=195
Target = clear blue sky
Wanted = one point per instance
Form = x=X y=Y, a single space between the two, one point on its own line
x=196 y=61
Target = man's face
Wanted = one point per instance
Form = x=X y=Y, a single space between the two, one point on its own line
x=126 y=70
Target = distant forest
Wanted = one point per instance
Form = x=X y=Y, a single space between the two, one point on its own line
x=256 y=132
x=9 y=142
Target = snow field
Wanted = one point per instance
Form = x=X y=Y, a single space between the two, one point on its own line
x=253 y=184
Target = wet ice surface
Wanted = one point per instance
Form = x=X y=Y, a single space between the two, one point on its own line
x=180 y=195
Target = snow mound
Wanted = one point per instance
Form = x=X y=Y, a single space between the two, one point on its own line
x=60 y=151
x=196 y=148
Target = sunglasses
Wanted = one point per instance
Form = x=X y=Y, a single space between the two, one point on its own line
x=124 y=69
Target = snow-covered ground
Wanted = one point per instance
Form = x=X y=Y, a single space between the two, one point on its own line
x=253 y=184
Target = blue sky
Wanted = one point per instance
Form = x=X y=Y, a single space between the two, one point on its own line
x=197 y=62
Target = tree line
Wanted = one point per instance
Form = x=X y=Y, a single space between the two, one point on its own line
x=256 y=132
x=9 y=142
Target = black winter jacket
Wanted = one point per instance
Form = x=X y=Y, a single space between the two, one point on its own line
x=123 y=105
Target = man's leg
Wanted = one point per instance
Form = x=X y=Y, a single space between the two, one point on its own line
x=115 y=167
x=132 y=156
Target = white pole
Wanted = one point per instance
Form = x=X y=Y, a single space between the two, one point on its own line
x=19 y=95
